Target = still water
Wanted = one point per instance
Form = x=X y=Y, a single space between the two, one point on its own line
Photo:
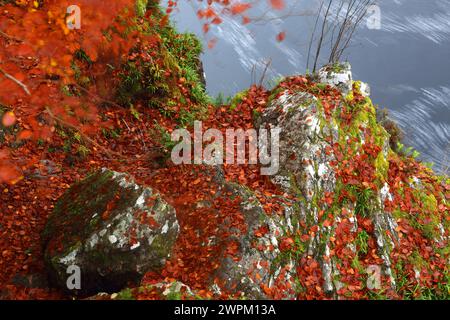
x=406 y=61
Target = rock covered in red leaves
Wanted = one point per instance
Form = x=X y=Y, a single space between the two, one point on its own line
x=335 y=158
x=244 y=269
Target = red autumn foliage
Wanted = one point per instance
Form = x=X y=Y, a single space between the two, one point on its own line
x=36 y=55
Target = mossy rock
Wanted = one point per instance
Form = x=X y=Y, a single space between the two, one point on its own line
x=111 y=228
x=337 y=75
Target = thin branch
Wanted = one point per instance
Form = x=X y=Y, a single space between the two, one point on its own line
x=18 y=82
x=261 y=80
x=319 y=45
x=312 y=35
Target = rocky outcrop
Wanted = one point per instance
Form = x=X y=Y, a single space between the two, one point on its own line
x=311 y=158
x=340 y=75
x=337 y=75
x=112 y=229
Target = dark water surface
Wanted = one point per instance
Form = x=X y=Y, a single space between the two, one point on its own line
x=406 y=62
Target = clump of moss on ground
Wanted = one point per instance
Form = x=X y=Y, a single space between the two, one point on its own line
x=166 y=74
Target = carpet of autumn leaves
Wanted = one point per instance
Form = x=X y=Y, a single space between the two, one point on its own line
x=38 y=164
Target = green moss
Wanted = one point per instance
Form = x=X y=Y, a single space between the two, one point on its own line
x=350 y=96
x=381 y=167
x=429 y=202
x=237 y=99
x=160 y=246
x=221 y=100
x=72 y=205
x=361 y=241
x=337 y=67
x=141 y=7
x=356 y=264
x=357 y=86
x=126 y=294
x=274 y=93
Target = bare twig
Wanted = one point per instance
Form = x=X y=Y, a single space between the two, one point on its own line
x=319 y=45
x=338 y=26
x=98 y=98
x=8 y=37
x=126 y=124
x=312 y=36
x=267 y=65
x=18 y=82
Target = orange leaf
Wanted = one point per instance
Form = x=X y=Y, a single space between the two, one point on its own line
x=9 y=119
x=281 y=36
x=212 y=43
x=9 y=174
x=246 y=20
x=277 y=4
x=239 y=8
x=25 y=135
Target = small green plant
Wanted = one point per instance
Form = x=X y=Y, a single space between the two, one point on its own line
x=407 y=151
x=173 y=73
x=173 y=295
x=82 y=56
x=221 y=100
x=73 y=141
x=363 y=202
x=162 y=137
x=83 y=151
x=126 y=294
x=186 y=118
x=135 y=113
x=361 y=242
x=198 y=93
x=237 y=99
x=111 y=133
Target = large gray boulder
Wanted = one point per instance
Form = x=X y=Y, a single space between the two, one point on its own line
x=112 y=229
x=260 y=263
